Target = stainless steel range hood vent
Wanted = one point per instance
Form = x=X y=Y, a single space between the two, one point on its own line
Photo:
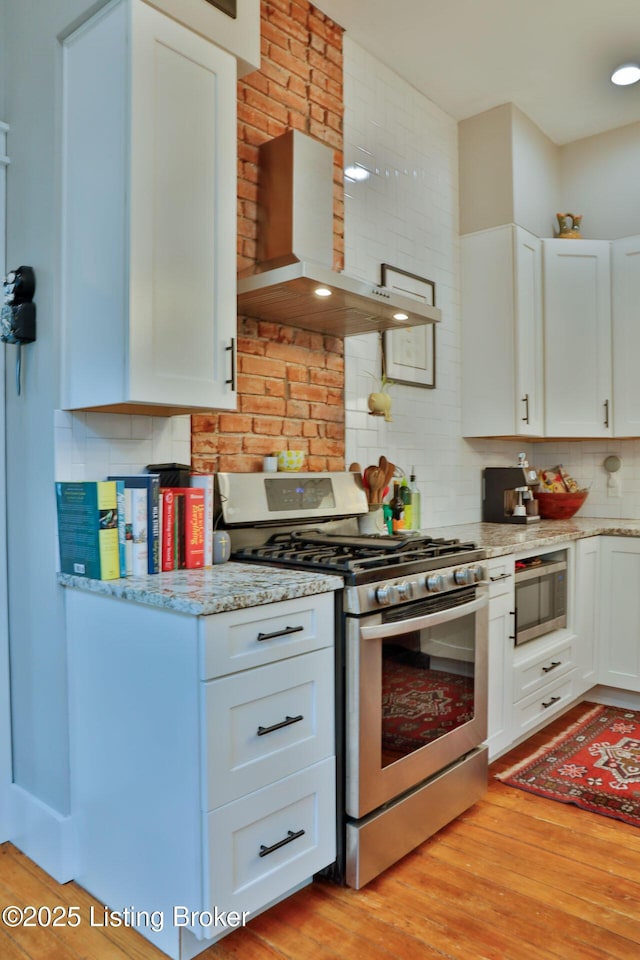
x=295 y=252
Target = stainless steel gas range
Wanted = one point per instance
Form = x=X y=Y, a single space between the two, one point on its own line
x=411 y=657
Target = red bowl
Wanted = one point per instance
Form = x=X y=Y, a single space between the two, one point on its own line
x=559 y=506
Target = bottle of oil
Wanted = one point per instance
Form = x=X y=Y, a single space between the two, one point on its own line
x=397 y=507
x=414 y=500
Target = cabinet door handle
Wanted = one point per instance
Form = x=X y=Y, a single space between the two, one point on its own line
x=278 y=633
x=525 y=400
x=552 y=666
x=606 y=413
x=278 y=726
x=232 y=348
x=514 y=614
x=500 y=576
x=290 y=837
x=551 y=702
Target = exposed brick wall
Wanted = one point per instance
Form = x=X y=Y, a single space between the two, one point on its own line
x=290 y=381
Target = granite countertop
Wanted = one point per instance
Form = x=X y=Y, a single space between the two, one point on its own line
x=229 y=586
x=499 y=539
x=233 y=586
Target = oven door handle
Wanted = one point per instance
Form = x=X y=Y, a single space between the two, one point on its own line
x=398 y=627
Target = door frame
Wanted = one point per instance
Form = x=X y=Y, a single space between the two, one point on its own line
x=6 y=775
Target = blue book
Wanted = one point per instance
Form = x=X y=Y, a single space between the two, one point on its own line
x=151 y=483
x=88 y=529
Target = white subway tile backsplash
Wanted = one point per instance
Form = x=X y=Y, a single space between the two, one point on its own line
x=90 y=446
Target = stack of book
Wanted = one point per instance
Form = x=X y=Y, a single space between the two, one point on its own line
x=129 y=525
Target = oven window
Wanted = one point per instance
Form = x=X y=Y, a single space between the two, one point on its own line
x=428 y=686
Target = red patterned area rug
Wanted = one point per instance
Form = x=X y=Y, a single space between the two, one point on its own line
x=594 y=764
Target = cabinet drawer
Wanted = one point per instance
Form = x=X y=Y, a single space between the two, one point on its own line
x=249 y=638
x=500 y=573
x=264 y=845
x=267 y=723
x=535 y=672
x=541 y=706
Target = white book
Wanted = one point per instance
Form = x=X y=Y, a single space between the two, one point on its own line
x=140 y=532
x=204 y=481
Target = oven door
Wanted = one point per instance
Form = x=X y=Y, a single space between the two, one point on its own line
x=416 y=693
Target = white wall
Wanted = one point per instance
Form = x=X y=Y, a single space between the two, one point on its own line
x=536 y=179
x=599 y=179
x=36 y=615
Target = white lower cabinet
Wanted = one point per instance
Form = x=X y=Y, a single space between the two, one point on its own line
x=203 y=759
x=619 y=647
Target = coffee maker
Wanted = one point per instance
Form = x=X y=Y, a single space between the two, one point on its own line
x=507 y=493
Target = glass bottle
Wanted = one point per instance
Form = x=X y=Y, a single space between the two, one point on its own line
x=397 y=507
x=414 y=499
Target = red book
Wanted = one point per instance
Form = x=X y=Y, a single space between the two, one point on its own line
x=188 y=502
x=167 y=543
x=194 y=516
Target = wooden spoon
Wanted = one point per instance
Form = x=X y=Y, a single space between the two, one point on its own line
x=376 y=484
x=355 y=468
x=390 y=470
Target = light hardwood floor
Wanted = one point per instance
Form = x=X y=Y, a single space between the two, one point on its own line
x=516 y=877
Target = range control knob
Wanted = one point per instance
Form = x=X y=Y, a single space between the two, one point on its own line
x=467 y=576
x=404 y=590
x=434 y=582
x=384 y=595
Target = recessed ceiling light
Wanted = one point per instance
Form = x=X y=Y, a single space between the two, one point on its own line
x=626 y=74
x=322 y=292
x=356 y=172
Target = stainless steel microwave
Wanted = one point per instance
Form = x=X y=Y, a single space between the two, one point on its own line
x=541 y=596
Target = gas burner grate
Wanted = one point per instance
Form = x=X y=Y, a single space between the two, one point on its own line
x=357 y=557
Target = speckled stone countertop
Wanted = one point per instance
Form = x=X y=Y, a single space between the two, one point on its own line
x=229 y=586
x=233 y=586
x=499 y=539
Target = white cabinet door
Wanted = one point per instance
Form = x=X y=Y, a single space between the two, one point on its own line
x=625 y=280
x=587 y=612
x=501 y=333
x=149 y=215
x=619 y=654
x=577 y=338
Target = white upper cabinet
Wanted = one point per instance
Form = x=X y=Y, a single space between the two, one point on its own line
x=502 y=388
x=577 y=338
x=233 y=25
x=149 y=216
x=625 y=266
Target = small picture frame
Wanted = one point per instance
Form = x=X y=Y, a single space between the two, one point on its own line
x=409 y=354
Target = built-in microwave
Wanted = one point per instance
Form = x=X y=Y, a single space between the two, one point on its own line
x=541 y=595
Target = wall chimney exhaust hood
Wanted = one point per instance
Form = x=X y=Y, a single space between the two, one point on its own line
x=293 y=282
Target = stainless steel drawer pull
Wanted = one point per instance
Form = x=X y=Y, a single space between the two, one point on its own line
x=552 y=666
x=525 y=400
x=265 y=851
x=278 y=726
x=500 y=576
x=278 y=633
x=551 y=702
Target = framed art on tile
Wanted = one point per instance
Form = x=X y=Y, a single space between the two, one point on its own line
x=409 y=354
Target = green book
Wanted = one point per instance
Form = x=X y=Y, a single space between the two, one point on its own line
x=88 y=529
